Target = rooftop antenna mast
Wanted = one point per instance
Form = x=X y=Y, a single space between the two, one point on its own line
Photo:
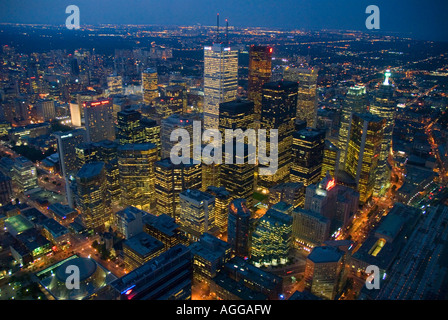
x=227 y=32
x=217 y=28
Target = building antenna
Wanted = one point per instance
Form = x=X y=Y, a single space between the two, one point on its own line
x=227 y=32
x=217 y=28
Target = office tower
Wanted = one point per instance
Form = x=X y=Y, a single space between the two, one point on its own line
x=150 y=281
x=129 y=221
x=238 y=227
x=233 y=115
x=99 y=120
x=197 y=214
x=384 y=106
x=278 y=111
x=364 y=148
x=170 y=124
x=85 y=152
x=355 y=101
x=346 y=206
x=75 y=114
x=238 y=179
x=309 y=229
x=152 y=131
x=321 y=197
x=323 y=272
x=331 y=160
x=222 y=202
x=183 y=93
x=220 y=80
x=209 y=256
x=307 y=92
x=236 y=114
x=257 y=280
x=91 y=195
x=292 y=193
x=165 y=229
x=136 y=174
x=67 y=143
x=170 y=180
x=5 y=189
x=140 y=249
x=272 y=239
x=308 y=151
x=260 y=61
x=115 y=84
x=46 y=109
x=150 y=87
x=24 y=174
x=129 y=129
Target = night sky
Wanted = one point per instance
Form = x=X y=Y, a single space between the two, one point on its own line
x=421 y=19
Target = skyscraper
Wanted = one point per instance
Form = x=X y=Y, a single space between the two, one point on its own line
x=307 y=95
x=355 y=101
x=384 y=106
x=220 y=80
x=129 y=129
x=136 y=174
x=115 y=84
x=91 y=195
x=331 y=159
x=272 y=239
x=99 y=120
x=197 y=214
x=67 y=143
x=364 y=147
x=260 y=61
x=170 y=181
x=278 y=111
x=149 y=85
x=238 y=227
x=173 y=122
x=323 y=271
x=222 y=201
x=307 y=150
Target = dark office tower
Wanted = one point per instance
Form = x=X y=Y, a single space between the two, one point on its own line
x=355 y=101
x=237 y=178
x=67 y=143
x=166 y=277
x=129 y=129
x=152 y=132
x=74 y=67
x=99 y=120
x=136 y=174
x=331 y=160
x=85 y=152
x=278 y=111
x=307 y=155
x=307 y=93
x=91 y=195
x=384 y=106
x=5 y=189
x=260 y=60
x=170 y=180
x=364 y=148
x=236 y=114
x=238 y=227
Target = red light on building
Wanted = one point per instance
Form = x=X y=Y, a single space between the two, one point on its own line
x=270 y=50
x=330 y=184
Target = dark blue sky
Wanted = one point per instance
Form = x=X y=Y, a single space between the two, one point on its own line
x=425 y=19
